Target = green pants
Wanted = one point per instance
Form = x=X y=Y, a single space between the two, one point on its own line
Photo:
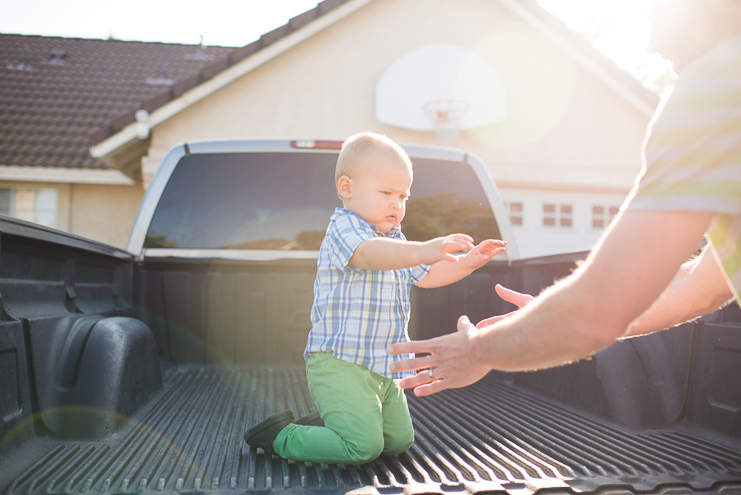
x=365 y=415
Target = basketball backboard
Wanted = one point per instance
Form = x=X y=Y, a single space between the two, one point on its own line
x=417 y=85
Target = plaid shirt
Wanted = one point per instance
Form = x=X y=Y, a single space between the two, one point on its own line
x=358 y=313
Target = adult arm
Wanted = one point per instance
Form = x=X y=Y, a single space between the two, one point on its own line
x=697 y=289
x=635 y=260
x=448 y=272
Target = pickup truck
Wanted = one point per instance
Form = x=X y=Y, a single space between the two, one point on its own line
x=139 y=370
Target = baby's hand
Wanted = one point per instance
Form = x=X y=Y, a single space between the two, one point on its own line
x=441 y=248
x=481 y=254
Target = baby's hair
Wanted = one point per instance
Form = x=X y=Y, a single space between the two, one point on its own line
x=360 y=151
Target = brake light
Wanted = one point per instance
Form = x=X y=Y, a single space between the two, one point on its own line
x=316 y=144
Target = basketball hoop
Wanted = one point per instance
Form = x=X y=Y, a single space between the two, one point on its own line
x=446 y=115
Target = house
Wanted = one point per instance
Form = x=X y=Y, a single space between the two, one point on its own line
x=55 y=92
x=559 y=126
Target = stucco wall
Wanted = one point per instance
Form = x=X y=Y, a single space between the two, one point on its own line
x=104 y=213
x=563 y=123
x=63 y=199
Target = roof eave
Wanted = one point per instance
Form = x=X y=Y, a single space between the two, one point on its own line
x=31 y=173
x=125 y=141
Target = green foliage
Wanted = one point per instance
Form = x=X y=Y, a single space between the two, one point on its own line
x=448 y=213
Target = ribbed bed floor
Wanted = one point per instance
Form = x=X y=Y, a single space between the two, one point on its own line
x=487 y=438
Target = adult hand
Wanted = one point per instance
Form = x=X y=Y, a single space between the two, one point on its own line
x=511 y=296
x=481 y=254
x=453 y=359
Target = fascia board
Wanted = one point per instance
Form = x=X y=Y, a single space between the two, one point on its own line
x=30 y=173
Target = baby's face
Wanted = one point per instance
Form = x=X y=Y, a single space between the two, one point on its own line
x=380 y=195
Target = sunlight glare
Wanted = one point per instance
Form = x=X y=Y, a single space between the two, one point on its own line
x=536 y=104
x=620 y=30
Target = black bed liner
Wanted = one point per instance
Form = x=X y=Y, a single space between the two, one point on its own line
x=503 y=440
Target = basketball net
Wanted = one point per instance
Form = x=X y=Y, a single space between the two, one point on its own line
x=446 y=115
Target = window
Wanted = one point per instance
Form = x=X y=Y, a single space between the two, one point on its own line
x=284 y=201
x=557 y=215
x=34 y=205
x=603 y=215
x=549 y=215
x=565 y=218
x=515 y=211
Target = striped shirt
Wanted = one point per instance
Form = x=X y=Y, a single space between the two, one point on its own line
x=358 y=313
x=693 y=153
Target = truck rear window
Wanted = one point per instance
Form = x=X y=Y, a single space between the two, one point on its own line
x=284 y=201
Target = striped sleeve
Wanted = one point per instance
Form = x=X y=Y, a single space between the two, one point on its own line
x=693 y=152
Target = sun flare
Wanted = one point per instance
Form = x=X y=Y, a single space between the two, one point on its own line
x=619 y=29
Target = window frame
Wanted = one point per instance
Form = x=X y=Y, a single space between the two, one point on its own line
x=557 y=215
x=34 y=214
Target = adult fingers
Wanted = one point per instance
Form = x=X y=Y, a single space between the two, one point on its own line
x=408 y=382
x=517 y=298
x=464 y=323
x=421 y=378
x=431 y=388
x=412 y=347
x=412 y=364
x=493 y=319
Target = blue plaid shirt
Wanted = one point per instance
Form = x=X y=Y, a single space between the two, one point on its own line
x=358 y=313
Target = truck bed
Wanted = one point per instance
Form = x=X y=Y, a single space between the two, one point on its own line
x=493 y=437
x=91 y=400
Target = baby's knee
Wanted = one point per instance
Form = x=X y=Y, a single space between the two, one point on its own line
x=398 y=444
x=366 y=451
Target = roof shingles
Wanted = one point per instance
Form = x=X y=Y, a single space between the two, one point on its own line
x=51 y=113
x=59 y=96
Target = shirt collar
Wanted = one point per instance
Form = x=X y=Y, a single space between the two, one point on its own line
x=391 y=233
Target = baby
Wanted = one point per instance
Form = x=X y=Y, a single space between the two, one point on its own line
x=361 y=306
